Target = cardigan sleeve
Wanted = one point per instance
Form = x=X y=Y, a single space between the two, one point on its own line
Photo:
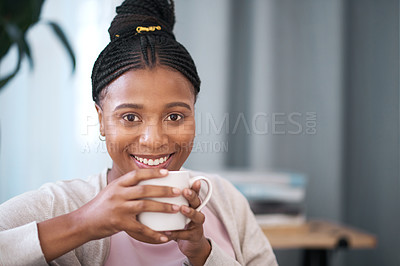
x=251 y=246
x=19 y=216
x=19 y=238
x=21 y=246
x=256 y=248
x=219 y=257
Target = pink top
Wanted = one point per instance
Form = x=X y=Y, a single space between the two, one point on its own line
x=126 y=250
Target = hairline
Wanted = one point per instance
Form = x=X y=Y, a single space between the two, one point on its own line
x=103 y=92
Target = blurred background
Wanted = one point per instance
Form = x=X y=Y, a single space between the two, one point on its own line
x=308 y=86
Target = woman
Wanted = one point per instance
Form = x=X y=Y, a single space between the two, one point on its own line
x=145 y=86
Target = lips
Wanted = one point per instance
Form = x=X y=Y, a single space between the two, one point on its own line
x=152 y=161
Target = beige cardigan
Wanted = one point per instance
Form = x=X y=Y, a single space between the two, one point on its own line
x=19 y=241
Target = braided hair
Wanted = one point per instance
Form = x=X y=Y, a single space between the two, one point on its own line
x=130 y=49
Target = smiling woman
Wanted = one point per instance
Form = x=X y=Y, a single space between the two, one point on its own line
x=147 y=117
x=144 y=85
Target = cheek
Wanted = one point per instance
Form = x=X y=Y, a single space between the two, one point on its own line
x=115 y=144
x=118 y=138
x=185 y=130
x=184 y=136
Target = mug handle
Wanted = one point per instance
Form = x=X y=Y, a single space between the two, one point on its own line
x=209 y=192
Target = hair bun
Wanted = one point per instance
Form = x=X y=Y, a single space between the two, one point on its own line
x=134 y=13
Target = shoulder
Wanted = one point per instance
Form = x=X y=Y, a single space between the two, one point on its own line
x=71 y=194
x=78 y=189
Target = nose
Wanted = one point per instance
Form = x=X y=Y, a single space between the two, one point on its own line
x=153 y=138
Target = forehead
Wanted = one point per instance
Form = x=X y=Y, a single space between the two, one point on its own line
x=149 y=86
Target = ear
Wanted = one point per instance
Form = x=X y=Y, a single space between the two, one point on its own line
x=101 y=119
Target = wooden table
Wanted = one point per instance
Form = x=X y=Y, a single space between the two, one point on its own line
x=317 y=239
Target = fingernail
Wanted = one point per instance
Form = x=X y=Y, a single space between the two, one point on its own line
x=176 y=191
x=163 y=171
x=189 y=192
x=168 y=233
x=164 y=239
x=175 y=207
x=185 y=209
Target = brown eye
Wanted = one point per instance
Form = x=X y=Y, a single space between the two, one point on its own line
x=131 y=118
x=174 y=117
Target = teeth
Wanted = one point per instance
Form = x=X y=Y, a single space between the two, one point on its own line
x=152 y=162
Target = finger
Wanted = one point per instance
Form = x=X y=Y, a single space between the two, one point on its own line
x=147 y=191
x=139 y=206
x=134 y=177
x=145 y=234
x=179 y=234
x=192 y=234
x=192 y=197
x=196 y=217
x=196 y=186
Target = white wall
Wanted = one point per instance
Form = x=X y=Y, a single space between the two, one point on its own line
x=44 y=112
x=49 y=128
x=203 y=28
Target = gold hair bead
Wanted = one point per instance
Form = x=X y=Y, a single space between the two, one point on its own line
x=117 y=35
x=151 y=28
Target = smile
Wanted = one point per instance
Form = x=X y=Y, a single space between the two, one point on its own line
x=154 y=161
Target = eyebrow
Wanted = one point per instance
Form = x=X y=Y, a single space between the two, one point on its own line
x=169 y=105
x=140 y=106
x=128 y=105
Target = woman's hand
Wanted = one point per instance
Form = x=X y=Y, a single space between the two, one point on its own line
x=192 y=241
x=116 y=207
x=113 y=210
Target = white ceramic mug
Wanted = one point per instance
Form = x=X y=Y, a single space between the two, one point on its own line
x=159 y=221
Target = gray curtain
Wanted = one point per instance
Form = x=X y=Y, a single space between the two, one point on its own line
x=335 y=63
x=371 y=157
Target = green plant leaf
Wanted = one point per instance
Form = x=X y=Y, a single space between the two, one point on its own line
x=14 y=33
x=17 y=36
x=5 y=42
x=35 y=9
x=5 y=80
x=27 y=50
x=21 y=13
x=60 y=34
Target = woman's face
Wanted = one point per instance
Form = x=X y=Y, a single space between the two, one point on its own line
x=147 y=117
